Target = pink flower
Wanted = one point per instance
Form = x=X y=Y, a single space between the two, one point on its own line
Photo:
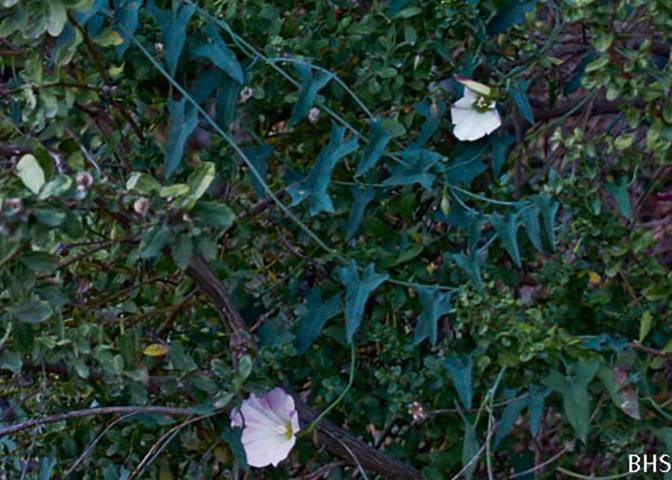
x=270 y=424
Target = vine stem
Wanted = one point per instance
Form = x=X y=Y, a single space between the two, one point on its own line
x=333 y=404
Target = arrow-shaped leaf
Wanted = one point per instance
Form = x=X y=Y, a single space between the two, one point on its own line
x=257 y=157
x=126 y=16
x=415 y=169
x=460 y=369
x=315 y=185
x=530 y=217
x=549 y=209
x=309 y=87
x=361 y=199
x=357 y=293
x=433 y=112
x=173 y=30
x=181 y=124
x=519 y=95
x=219 y=53
x=312 y=323
x=435 y=304
x=507 y=229
x=381 y=132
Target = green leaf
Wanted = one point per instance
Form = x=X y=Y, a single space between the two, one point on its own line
x=409 y=12
x=471 y=265
x=538 y=396
x=219 y=53
x=214 y=214
x=32 y=311
x=319 y=313
x=58 y=17
x=507 y=229
x=435 y=304
x=126 y=18
x=30 y=172
x=622 y=197
x=623 y=394
x=39 y=262
x=56 y=187
x=530 y=216
x=49 y=216
x=142 y=183
x=361 y=199
x=108 y=38
x=227 y=98
x=199 y=181
x=11 y=360
x=549 y=209
x=314 y=186
x=469 y=449
x=379 y=137
x=173 y=30
x=460 y=370
x=154 y=241
x=180 y=359
x=645 y=325
x=257 y=157
x=415 y=169
x=310 y=85
x=232 y=437
x=67 y=47
x=358 y=290
x=519 y=94
x=574 y=390
x=182 y=251
x=509 y=415
x=509 y=14
x=181 y=124
x=433 y=112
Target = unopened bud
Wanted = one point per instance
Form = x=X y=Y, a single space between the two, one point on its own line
x=314 y=115
x=83 y=180
x=158 y=47
x=245 y=94
x=140 y=206
x=417 y=411
x=14 y=205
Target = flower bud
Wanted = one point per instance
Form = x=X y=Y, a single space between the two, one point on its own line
x=14 y=205
x=140 y=206
x=245 y=94
x=84 y=180
x=314 y=115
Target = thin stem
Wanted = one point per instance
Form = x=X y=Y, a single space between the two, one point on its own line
x=569 y=473
x=326 y=411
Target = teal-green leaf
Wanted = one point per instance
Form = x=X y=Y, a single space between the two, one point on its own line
x=507 y=229
x=519 y=95
x=309 y=86
x=228 y=95
x=173 y=30
x=258 y=158
x=530 y=217
x=142 y=183
x=433 y=112
x=415 y=169
x=219 y=53
x=469 y=449
x=11 y=360
x=314 y=186
x=199 y=181
x=460 y=371
x=319 y=313
x=126 y=16
x=214 y=214
x=39 y=262
x=574 y=390
x=500 y=142
x=509 y=14
x=30 y=172
x=182 y=251
x=379 y=137
x=361 y=199
x=435 y=304
x=32 y=311
x=549 y=209
x=471 y=265
x=183 y=119
x=538 y=394
x=620 y=193
x=358 y=288
x=509 y=415
x=232 y=437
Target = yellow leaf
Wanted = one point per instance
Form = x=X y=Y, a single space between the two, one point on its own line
x=594 y=278
x=155 y=350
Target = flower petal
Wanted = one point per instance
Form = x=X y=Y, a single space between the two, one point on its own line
x=470 y=124
x=236 y=418
x=264 y=448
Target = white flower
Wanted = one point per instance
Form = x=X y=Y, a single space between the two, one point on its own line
x=245 y=94
x=314 y=115
x=270 y=424
x=472 y=122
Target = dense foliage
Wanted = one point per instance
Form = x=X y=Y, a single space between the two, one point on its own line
x=203 y=200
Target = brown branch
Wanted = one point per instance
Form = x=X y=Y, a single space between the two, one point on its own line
x=89 y=412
